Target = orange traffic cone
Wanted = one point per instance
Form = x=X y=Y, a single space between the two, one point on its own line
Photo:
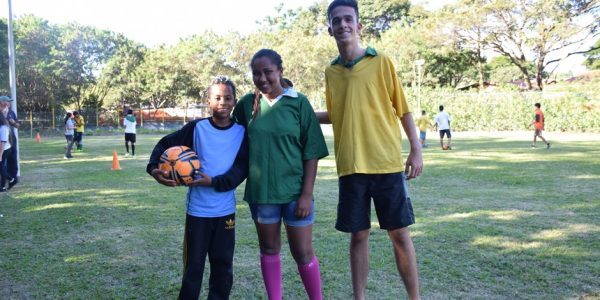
x=38 y=138
x=115 y=164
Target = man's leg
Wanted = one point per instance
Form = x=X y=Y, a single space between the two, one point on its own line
x=359 y=262
x=406 y=260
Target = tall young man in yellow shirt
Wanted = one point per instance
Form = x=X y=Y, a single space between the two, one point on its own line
x=364 y=103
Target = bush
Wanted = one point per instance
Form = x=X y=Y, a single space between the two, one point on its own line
x=564 y=110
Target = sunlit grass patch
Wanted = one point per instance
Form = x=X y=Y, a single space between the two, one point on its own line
x=494 y=220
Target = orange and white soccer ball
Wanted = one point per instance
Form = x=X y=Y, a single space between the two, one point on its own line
x=181 y=163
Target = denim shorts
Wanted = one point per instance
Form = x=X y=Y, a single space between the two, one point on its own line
x=422 y=135
x=273 y=213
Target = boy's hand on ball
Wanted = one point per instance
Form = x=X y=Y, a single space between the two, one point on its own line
x=162 y=177
x=202 y=180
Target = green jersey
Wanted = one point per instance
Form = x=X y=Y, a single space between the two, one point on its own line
x=281 y=137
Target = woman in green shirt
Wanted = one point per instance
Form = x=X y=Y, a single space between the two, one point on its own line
x=286 y=142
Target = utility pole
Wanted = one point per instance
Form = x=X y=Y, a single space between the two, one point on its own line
x=13 y=79
x=419 y=63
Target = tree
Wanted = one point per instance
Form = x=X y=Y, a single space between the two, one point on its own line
x=377 y=16
x=592 y=60
x=78 y=59
x=4 y=81
x=520 y=29
x=501 y=70
x=118 y=76
x=466 y=21
x=35 y=39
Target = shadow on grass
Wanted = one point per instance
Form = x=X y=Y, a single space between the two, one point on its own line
x=495 y=220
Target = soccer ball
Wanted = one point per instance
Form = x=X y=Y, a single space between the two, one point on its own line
x=445 y=147
x=180 y=163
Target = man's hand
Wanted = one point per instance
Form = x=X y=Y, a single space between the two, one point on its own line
x=202 y=180
x=414 y=164
x=161 y=177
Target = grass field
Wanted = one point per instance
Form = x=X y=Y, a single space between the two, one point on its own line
x=495 y=220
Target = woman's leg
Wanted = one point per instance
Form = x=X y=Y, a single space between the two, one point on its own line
x=269 y=240
x=70 y=142
x=300 y=240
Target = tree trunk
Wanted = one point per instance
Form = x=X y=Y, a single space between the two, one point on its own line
x=479 y=59
x=539 y=69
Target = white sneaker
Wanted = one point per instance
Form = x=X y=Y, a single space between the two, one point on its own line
x=127 y=154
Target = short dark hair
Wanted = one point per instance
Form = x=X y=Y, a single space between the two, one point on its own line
x=538 y=105
x=423 y=112
x=75 y=113
x=336 y=3
x=221 y=79
x=441 y=107
x=129 y=111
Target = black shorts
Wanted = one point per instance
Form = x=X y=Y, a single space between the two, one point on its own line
x=130 y=137
x=445 y=131
x=390 y=196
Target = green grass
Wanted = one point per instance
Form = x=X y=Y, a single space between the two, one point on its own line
x=495 y=220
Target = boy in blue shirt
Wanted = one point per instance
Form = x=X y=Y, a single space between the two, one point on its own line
x=210 y=220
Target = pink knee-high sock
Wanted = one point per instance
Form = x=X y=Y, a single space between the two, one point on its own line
x=270 y=265
x=311 y=277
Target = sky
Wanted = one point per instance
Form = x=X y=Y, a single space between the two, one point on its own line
x=154 y=22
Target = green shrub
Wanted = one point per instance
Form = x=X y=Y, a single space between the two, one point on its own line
x=564 y=110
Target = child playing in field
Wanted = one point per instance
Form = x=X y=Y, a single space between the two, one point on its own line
x=364 y=102
x=538 y=125
x=210 y=219
x=442 y=123
x=285 y=142
x=69 y=132
x=423 y=124
x=130 y=132
x=79 y=129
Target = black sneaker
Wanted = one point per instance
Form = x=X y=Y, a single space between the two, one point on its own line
x=548 y=146
x=3 y=190
x=12 y=183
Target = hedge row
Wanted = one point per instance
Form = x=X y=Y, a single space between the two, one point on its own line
x=572 y=111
